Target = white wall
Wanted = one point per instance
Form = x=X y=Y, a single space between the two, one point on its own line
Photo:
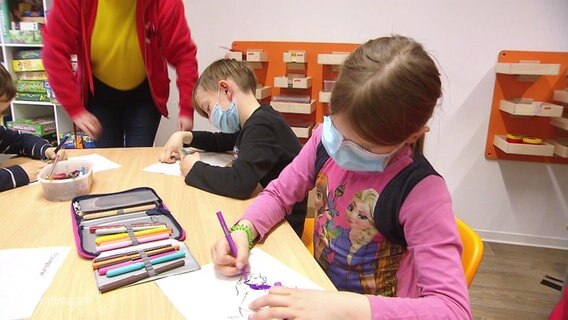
x=506 y=201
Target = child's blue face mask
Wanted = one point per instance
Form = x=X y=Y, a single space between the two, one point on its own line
x=226 y=120
x=349 y=155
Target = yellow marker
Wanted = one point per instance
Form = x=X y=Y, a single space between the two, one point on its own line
x=125 y=235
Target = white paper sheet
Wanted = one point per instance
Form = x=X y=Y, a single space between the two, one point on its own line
x=211 y=158
x=25 y=275
x=204 y=294
x=100 y=163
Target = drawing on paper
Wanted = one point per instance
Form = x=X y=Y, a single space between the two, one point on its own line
x=247 y=289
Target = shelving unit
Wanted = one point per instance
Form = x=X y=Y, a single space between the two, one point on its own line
x=257 y=59
x=531 y=108
x=20 y=109
x=295 y=76
x=331 y=63
x=529 y=99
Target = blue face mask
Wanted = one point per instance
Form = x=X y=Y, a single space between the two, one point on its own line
x=226 y=120
x=349 y=155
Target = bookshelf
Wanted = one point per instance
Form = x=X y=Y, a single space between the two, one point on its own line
x=14 y=43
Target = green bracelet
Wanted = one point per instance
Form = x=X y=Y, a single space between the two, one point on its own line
x=247 y=230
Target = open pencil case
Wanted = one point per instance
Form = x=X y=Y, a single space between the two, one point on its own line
x=131 y=236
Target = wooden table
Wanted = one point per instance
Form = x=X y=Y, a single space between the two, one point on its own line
x=30 y=221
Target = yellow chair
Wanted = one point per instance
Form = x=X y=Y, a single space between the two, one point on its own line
x=472 y=250
x=471 y=255
x=308 y=235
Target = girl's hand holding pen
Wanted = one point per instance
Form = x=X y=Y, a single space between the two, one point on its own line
x=223 y=260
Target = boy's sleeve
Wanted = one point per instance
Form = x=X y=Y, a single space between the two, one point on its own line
x=294 y=182
x=258 y=154
x=213 y=142
x=22 y=144
x=12 y=177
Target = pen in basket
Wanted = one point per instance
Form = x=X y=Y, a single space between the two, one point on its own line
x=56 y=157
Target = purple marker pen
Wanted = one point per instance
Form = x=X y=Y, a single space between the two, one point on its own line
x=227 y=234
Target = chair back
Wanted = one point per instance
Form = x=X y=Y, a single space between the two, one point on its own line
x=472 y=250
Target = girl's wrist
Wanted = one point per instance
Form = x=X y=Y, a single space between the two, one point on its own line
x=246 y=227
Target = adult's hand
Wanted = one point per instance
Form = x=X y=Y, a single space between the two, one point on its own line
x=185 y=123
x=89 y=124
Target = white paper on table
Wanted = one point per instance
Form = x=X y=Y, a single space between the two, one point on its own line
x=6 y=156
x=204 y=294
x=211 y=158
x=25 y=275
x=100 y=163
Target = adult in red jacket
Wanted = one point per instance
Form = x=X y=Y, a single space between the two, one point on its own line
x=120 y=88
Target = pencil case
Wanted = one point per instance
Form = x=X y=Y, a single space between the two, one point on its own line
x=131 y=236
x=130 y=209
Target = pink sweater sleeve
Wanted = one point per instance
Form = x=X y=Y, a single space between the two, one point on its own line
x=431 y=282
x=276 y=200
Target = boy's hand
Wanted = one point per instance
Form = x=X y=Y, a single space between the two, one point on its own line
x=170 y=153
x=50 y=153
x=32 y=168
x=187 y=162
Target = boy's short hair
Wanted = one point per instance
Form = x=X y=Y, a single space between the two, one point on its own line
x=7 y=85
x=224 y=69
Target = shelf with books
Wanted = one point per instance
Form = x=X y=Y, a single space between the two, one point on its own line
x=21 y=45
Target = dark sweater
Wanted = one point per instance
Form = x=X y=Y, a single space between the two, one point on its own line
x=22 y=144
x=263 y=147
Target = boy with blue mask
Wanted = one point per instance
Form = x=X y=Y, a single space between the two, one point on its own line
x=262 y=141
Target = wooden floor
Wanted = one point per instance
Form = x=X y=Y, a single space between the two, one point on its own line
x=507 y=284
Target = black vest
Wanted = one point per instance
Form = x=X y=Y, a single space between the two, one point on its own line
x=392 y=197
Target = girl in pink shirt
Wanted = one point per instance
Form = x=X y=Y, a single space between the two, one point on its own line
x=385 y=93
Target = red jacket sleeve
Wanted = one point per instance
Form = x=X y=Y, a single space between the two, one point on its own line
x=180 y=51
x=60 y=41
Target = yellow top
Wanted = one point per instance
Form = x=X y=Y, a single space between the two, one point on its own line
x=115 y=51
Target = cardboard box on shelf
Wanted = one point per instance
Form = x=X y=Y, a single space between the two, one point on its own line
x=39 y=126
x=25 y=36
x=27 y=54
x=33 y=86
x=27 y=65
x=32 y=75
x=32 y=96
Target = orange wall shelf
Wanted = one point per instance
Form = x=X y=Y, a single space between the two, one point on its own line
x=530 y=99
x=310 y=63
